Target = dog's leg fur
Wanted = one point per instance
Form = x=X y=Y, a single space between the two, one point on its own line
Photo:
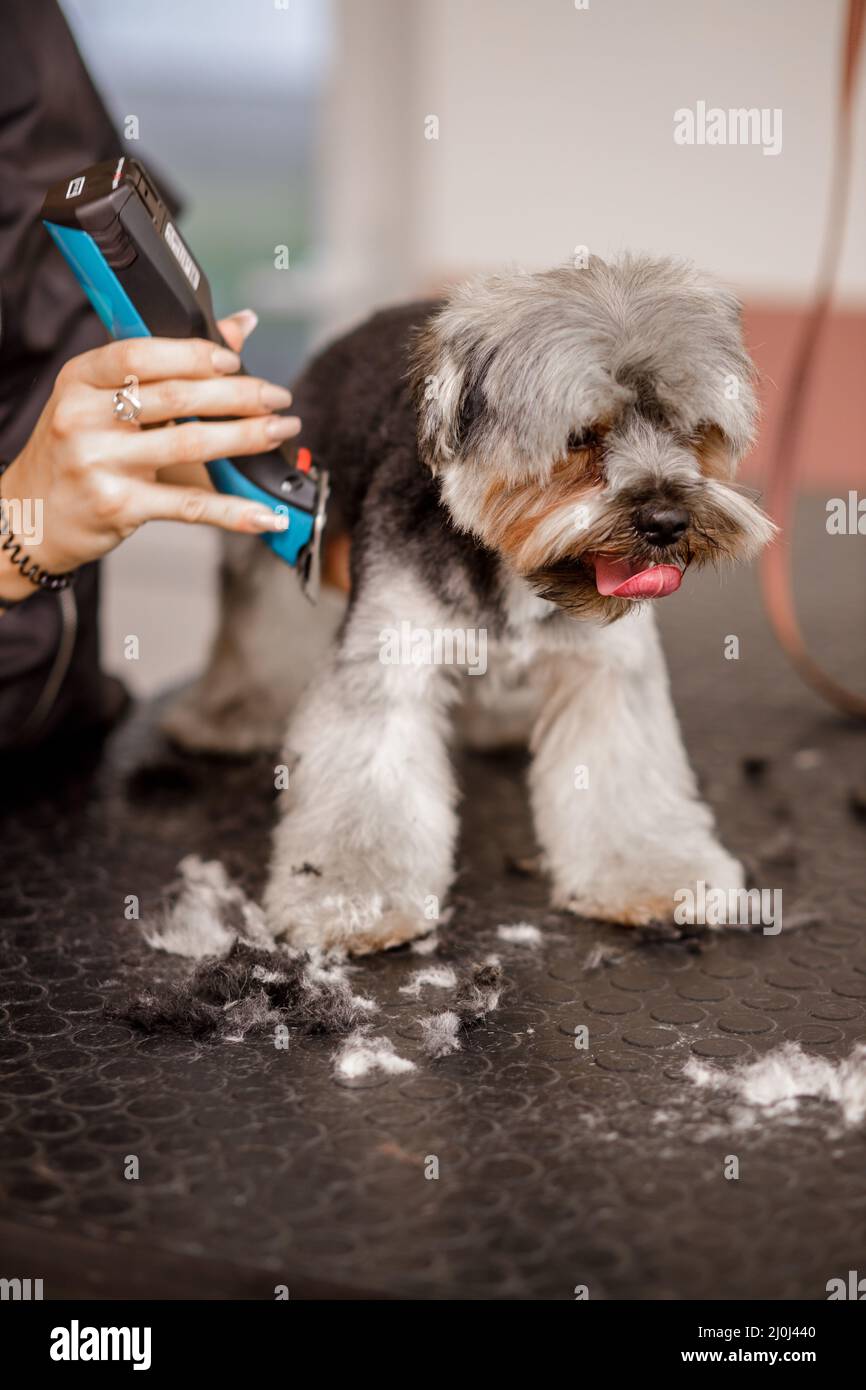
x=619 y=847
x=364 y=851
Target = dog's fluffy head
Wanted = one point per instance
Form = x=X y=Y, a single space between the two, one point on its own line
x=588 y=423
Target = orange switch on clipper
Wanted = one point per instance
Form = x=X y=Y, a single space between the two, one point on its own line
x=304 y=460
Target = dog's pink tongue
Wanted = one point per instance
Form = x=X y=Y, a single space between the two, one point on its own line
x=625 y=580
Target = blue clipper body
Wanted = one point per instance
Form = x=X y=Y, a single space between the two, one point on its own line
x=116 y=234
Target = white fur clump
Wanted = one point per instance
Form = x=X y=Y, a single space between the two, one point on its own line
x=780 y=1080
x=439 y=976
x=520 y=934
x=207 y=915
x=440 y=1033
x=425 y=946
x=360 y=1054
x=600 y=955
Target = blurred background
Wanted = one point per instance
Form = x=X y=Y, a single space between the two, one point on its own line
x=394 y=145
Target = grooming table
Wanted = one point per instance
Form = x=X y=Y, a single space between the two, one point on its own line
x=558 y=1167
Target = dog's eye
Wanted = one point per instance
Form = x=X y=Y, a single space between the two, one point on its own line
x=582 y=439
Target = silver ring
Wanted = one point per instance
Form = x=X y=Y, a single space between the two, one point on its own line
x=126 y=401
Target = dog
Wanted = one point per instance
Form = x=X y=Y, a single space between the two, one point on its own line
x=536 y=458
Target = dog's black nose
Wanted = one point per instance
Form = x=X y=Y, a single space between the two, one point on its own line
x=661 y=523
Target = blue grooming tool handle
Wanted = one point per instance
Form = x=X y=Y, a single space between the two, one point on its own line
x=122 y=320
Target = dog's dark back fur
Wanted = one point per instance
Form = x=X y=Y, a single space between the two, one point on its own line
x=359 y=422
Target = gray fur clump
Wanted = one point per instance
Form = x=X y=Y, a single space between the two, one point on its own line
x=440 y=1034
x=478 y=994
x=250 y=991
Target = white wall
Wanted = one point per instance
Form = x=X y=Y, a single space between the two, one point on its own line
x=556 y=129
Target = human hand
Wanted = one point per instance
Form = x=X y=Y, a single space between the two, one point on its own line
x=99 y=478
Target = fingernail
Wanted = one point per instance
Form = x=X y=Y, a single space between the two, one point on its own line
x=261 y=519
x=282 y=427
x=275 y=397
x=247 y=320
x=225 y=361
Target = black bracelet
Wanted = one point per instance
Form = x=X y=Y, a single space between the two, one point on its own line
x=38 y=577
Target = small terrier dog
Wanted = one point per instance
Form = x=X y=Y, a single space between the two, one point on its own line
x=534 y=459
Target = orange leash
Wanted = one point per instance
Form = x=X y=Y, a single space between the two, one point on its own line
x=776 y=575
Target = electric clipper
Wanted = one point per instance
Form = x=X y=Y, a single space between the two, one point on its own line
x=119 y=239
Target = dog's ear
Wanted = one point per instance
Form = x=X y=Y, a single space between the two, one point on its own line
x=732 y=414
x=446 y=377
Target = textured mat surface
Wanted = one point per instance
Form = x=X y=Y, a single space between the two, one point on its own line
x=557 y=1166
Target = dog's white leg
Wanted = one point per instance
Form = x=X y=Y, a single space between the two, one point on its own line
x=363 y=853
x=615 y=801
x=269 y=642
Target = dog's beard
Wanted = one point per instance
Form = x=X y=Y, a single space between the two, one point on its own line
x=572 y=584
x=725 y=527
x=552 y=530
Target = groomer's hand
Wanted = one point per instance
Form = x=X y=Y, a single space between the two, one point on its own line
x=99 y=478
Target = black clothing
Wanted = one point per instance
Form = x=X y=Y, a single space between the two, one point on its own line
x=52 y=123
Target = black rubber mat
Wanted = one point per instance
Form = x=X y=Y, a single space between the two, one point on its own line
x=558 y=1167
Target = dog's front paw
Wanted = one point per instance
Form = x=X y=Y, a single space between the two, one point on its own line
x=643 y=892
x=312 y=905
